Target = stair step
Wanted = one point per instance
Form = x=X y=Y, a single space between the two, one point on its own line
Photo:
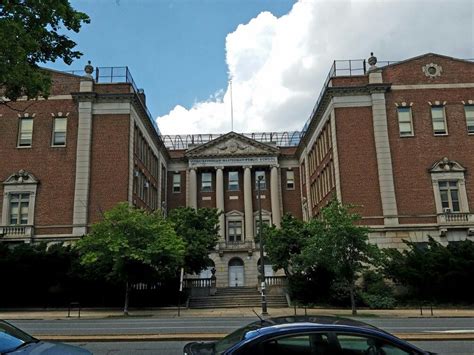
x=229 y=297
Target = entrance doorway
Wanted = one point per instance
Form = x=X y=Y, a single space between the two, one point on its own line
x=236 y=272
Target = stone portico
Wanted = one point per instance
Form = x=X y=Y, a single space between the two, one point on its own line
x=223 y=174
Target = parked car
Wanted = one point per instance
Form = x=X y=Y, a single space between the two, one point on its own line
x=321 y=335
x=16 y=341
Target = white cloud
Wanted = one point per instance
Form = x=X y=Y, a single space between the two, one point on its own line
x=278 y=65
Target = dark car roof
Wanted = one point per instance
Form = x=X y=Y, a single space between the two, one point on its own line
x=297 y=323
x=321 y=320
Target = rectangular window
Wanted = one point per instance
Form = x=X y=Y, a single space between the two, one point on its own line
x=405 y=123
x=469 y=110
x=449 y=194
x=176 y=183
x=206 y=182
x=263 y=185
x=439 y=120
x=290 y=180
x=59 y=131
x=19 y=205
x=233 y=181
x=25 y=134
x=235 y=231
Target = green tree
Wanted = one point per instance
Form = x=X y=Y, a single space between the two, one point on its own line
x=432 y=271
x=199 y=228
x=131 y=245
x=30 y=34
x=284 y=245
x=341 y=245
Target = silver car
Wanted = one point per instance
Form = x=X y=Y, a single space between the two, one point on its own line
x=16 y=341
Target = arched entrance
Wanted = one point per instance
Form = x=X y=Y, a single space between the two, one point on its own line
x=236 y=272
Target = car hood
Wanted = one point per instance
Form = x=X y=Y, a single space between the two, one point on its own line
x=50 y=348
x=199 y=348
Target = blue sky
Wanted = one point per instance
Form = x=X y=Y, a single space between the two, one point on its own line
x=278 y=52
x=175 y=49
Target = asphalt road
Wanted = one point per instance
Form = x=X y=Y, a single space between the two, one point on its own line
x=176 y=348
x=132 y=325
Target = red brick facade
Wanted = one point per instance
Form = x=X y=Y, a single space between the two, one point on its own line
x=352 y=149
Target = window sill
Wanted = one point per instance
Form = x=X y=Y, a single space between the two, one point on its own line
x=58 y=146
x=407 y=136
x=440 y=134
x=24 y=146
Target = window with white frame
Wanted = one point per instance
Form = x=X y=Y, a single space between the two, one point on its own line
x=206 y=182
x=405 y=121
x=263 y=184
x=234 y=231
x=25 y=132
x=176 y=182
x=449 y=194
x=19 y=207
x=59 y=131
x=439 y=120
x=469 y=111
x=290 y=180
x=233 y=181
x=449 y=186
x=19 y=197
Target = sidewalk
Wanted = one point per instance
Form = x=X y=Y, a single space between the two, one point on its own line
x=92 y=313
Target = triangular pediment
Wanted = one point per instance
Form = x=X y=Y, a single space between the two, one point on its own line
x=232 y=145
x=446 y=165
x=21 y=177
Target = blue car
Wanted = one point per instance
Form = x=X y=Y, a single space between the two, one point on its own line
x=14 y=341
x=322 y=335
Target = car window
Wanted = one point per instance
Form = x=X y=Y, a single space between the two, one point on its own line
x=234 y=337
x=303 y=344
x=366 y=345
x=11 y=337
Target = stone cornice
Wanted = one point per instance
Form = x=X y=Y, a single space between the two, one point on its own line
x=134 y=99
x=329 y=93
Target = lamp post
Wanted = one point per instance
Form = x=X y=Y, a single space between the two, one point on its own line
x=262 y=262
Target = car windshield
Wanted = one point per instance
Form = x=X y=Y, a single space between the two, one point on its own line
x=234 y=337
x=12 y=338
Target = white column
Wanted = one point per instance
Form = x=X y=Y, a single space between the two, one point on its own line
x=192 y=188
x=248 y=208
x=220 y=200
x=384 y=159
x=276 y=215
x=83 y=157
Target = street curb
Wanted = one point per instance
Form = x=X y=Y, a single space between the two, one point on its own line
x=217 y=336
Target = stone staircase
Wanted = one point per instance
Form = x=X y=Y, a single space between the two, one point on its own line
x=230 y=297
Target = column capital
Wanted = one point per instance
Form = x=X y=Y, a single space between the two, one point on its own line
x=275 y=166
x=247 y=166
x=219 y=168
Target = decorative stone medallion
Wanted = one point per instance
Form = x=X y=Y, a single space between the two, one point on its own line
x=432 y=70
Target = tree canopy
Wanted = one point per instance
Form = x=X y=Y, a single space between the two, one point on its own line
x=199 y=229
x=332 y=248
x=131 y=245
x=29 y=35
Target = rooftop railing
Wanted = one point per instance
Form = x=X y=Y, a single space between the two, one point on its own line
x=185 y=141
x=350 y=67
x=117 y=75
